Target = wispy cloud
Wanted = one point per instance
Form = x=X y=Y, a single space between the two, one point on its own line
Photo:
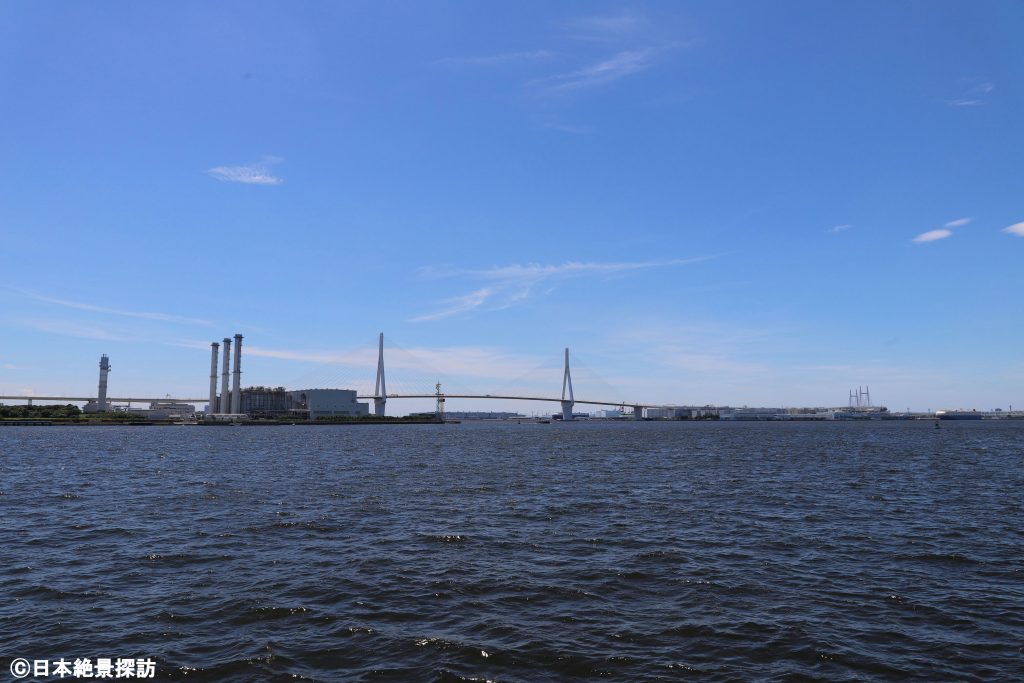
x=509 y=285
x=458 y=304
x=933 y=236
x=1015 y=229
x=975 y=94
x=83 y=306
x=839 y=228
x=605 y=71
x=942 y=233
x=72 y=329
x=251 y=174
x=535 y=271
x=498 y=59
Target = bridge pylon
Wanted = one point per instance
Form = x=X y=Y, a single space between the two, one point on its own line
x=567 y=404
x=380 y=392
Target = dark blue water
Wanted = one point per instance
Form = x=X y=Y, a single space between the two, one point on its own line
x=629 y=552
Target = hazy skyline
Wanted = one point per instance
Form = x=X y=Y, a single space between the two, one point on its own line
x=727 y=203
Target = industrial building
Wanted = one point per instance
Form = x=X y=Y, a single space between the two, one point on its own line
x=264 y=402
x=682 y=413
x=318 y=403
x=168 y=410
x=483 y=415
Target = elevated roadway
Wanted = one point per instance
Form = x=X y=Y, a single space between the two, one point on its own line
x=524 y=398
x=110 y=399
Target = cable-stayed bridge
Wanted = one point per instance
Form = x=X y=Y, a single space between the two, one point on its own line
x=380 y=395
x=567 y=400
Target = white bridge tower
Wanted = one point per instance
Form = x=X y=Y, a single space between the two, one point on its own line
x=380 y=392
x=567 y=404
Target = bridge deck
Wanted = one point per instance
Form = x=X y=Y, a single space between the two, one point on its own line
x=110 y=399
x=121 y=399
x=526 y=398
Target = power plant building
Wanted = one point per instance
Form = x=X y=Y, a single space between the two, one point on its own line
x=263 y=402
x=266 y=402
x=329 y=403
x=308 y=404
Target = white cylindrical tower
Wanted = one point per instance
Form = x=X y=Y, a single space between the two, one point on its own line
x=211 y=407
x=225 y=395
x=380 y=392
x=104 y=369
x=236 y=382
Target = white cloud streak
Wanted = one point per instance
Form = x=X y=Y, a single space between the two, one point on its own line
x=932 y=236
x=974 y=96
x=251 y=174
x=458 y=304
x=509 y=285
x=839 y=228
x=942 y=233
x=604 y=72
x=147 y=315
x=1015 y=229
x=535 y=271
x=72 y=329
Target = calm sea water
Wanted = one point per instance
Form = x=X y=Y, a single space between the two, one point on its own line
x=632 y=552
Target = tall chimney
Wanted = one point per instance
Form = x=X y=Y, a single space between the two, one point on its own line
x=236 y=388
x=225 y=398
x=211 y=407
x=104 y=369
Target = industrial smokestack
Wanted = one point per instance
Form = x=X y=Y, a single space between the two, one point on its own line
x=236 y=384
x=225 y=397
x=104 y=369
x=211 y=407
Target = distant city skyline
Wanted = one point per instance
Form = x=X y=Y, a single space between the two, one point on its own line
x=709 y=203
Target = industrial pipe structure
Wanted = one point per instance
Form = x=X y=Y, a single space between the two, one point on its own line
x=211 y=407
x=236 y=388
x=225 y=398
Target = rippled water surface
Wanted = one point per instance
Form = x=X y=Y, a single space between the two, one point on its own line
x=651 y=551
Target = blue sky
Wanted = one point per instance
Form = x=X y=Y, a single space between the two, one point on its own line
x=720 y=202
